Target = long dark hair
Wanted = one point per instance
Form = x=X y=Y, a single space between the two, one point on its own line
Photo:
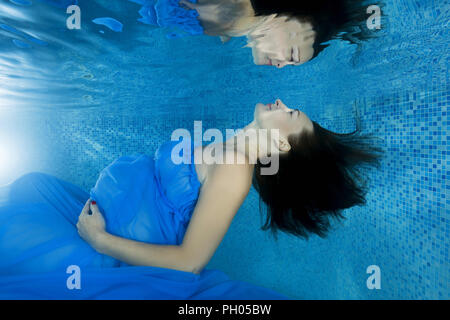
x=331 y=19
x=318 y=178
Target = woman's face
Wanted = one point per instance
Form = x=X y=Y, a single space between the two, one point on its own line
x=278 y=116
x=280 y=42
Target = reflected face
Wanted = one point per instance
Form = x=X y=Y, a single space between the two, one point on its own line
x=278 y=116
x=280 y=42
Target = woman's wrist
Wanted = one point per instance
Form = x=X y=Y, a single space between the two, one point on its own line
x=101 y=242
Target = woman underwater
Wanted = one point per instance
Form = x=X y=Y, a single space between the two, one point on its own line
x=150 y=226
x=280 y=32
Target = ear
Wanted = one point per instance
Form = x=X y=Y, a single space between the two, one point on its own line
x=283 y=144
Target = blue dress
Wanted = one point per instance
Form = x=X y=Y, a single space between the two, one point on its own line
x=169 y=13
x=141 y=198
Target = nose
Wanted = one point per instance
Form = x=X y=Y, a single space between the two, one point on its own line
x=281 y=64
x=279 y=104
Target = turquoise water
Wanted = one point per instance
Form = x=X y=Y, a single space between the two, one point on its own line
x=72 y=101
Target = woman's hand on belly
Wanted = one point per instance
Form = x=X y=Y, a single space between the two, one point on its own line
x=91 y=224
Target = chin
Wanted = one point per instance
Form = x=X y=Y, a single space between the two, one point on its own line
x=257 y=61
x=259 y=108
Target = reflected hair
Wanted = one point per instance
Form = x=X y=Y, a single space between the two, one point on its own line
x=331 y=19
x=317 y=178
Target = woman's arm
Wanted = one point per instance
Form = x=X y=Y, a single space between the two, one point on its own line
x=220 y=197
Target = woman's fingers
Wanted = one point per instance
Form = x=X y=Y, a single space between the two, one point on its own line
x=86 y=208
x=94 y=207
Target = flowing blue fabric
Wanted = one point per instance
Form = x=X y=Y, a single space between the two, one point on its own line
x=141 y=198
x=169 y=13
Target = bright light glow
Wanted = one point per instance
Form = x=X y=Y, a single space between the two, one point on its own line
x=9 y=160
x=6 y=157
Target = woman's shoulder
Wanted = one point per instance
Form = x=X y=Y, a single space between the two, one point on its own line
x=234 y=171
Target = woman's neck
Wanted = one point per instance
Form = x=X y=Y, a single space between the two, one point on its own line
x=245 y=142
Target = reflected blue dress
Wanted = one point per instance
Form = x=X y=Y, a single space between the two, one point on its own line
x=168 y=13
x=141 y=198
